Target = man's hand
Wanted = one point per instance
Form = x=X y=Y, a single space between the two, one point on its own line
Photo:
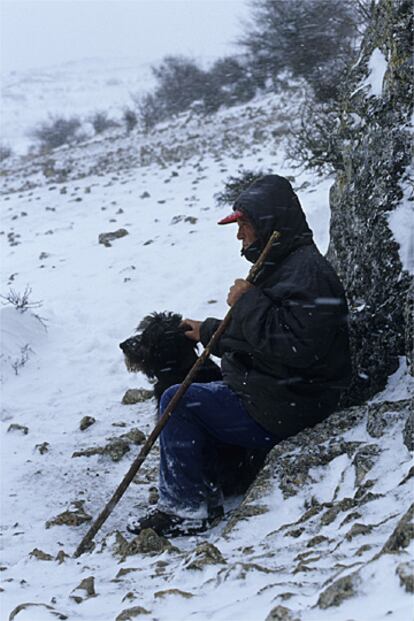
x=194 y=332
x=236 y=291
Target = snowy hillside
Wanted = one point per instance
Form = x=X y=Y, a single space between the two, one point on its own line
x=160 y=189
x=74 y=88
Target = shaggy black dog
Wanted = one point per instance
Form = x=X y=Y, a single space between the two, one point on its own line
x=163 y=353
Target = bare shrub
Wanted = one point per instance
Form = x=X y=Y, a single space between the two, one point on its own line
x=57 y=131
x=150 y=110
x=19 y=362
x=314 y=143
x=183 y=85
x=5 y=152
x=180 y=82
x=314 y=39
x=235 y=185
x=130 y=119
x=101 y=122
x=231 y=82
x=20 y=301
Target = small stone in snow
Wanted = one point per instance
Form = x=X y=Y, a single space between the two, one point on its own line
x=338 y=591
x=50 y=612
x=137 y=395
x=204 y=554
x=42 y=448
x=315 y=541
x=148 y=542
x=87 y=585
x=365 y=548
x=166 y=592
x=106 y=238
x=71 y=518
x=40 y=555
x=60 y=556
x=408 y=432
x=87 y=589
x=358 y=529
x=405 y=572
x=131 y=613
x=402 y=534
x=281 y=613
x=86 y=422
x=22 y=428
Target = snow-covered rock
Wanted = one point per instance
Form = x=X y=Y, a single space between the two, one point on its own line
x=372 y=200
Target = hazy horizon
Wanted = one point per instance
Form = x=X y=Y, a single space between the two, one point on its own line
x=40 y=33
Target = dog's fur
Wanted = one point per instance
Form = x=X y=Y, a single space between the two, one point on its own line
x=163 y=353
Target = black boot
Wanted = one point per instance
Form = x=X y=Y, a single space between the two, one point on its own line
x=169 y=525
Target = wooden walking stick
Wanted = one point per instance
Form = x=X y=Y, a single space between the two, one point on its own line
x=86 y=542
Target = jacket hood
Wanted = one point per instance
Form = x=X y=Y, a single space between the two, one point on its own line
x=271 y=204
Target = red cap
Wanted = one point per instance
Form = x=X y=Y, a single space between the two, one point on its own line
x=233 y=217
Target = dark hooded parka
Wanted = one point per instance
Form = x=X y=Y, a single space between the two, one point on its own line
x=286 y=351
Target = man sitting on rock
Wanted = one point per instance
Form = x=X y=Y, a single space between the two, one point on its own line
x=284 y=359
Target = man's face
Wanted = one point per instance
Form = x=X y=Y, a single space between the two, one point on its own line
x=246 y=232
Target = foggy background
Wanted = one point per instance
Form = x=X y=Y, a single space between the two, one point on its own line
x=37 y=33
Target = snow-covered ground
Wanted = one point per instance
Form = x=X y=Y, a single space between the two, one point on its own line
x=174 y=257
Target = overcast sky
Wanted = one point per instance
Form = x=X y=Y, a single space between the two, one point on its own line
x=37 y=33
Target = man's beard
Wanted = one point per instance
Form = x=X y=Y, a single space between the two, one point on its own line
x=252 y=252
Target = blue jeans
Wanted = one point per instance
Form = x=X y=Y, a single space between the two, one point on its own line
x=205 y=440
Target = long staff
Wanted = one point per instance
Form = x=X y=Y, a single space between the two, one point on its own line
x=86 y=542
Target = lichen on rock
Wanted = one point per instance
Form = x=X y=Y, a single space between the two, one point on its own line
x=50 y=610
x=86 y=422
x=132 y=613
x=137 y=395
x=405 y=572
x=340 y=590
x=71 y=517
x=147 y=542
x=402 y=535
x=364 y=460
x=281 y=613
x=16 y=427
x=84 y=590
x=115 y=447
x=374 y=164
x=40 y=555
x=167 y=592
x=204 y=554
x=107 y=238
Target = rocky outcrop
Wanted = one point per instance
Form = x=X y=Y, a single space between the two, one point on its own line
x=371 y=186
x=352 y=513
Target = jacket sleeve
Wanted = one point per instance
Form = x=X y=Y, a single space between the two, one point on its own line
x=207 y=329
x=287 y=323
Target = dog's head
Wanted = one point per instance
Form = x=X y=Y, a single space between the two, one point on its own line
x=160 y=346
